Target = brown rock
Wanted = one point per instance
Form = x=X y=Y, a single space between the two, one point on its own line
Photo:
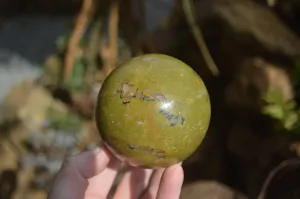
x=234 y=30
x=209 y=190
x=251 y=22
x=254 y=79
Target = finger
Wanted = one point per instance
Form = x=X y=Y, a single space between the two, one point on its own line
x=171 y=183
x=100 y=185
x=75 y=171
x=153 y=186
x=68 y=179
x=133 y=183
x=89 y=163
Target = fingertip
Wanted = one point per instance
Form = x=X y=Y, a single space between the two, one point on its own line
x=171 y=182
x=90 y=163
x=133 y=183
x=153 y=186
x=175 y=171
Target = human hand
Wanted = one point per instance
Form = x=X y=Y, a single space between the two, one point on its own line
x=90 y=175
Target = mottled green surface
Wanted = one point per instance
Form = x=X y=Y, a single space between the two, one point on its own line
x=153 y=110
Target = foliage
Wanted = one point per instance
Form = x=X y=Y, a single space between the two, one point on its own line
x=63 y=121
x=75 y=82
x=287 y=113
x=62 y=42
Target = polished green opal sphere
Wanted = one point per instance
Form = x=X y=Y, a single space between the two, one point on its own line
x=153 y=111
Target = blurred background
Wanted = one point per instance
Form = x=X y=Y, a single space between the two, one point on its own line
x=54 y=56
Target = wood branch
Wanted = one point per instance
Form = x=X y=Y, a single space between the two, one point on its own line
x=197 y=33
x=79 y=30
x=282 y=165
x=109 y=53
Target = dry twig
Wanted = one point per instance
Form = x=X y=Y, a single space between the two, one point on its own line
x=109 y=52
x=190 y=17
x=282 y=165
x=80 y=27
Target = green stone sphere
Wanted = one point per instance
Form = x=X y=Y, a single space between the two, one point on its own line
x=153 y=111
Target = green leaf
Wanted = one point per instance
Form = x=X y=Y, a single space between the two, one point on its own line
x=62 y=42
x=76 y=80
x=291 y=105
x=274 y=111
x=274 y=97
x=291 y=120
x=63 y=121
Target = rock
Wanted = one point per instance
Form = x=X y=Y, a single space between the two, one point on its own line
x=255 y=78
x=10 y=155
x=243 y=18
x=39 y=143
x=233 y=30
x=32 y=102
x=209 y=190
x=171 y=87
x=14 y=69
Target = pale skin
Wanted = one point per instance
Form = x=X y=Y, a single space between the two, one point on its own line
x=89 y=175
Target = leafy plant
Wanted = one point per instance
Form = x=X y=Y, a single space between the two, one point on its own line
x=75 y=82
x=286 y=113
x=63 y=121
